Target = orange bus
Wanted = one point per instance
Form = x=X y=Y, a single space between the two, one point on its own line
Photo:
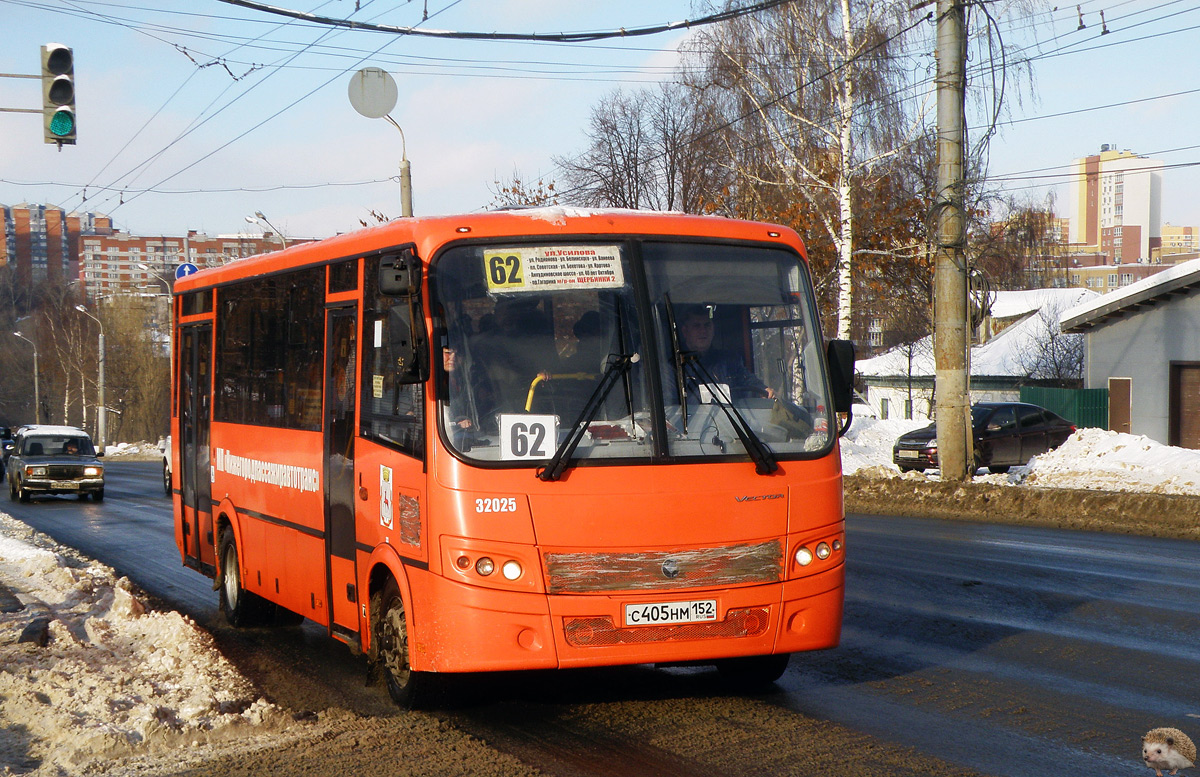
x=539 y=438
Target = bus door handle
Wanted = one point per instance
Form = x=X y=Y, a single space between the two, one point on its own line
x=362 y=490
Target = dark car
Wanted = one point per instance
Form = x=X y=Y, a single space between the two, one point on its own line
x=6 y=446
x=1007 y=434
x=54 y=460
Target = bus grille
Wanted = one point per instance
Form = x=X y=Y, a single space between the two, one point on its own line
x=600 y=632
x=665 y=570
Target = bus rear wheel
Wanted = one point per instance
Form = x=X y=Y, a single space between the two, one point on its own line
x=389 y=649
x=753 y=673
x=241 y=607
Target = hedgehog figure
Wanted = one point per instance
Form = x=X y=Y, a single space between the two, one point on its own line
x=1167 y=748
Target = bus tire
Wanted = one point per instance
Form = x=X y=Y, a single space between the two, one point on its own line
x=166 y=479
x=753 y=673
x=242 y=608
x=389 y=649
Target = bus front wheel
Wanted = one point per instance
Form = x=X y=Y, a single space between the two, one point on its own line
x=753 y=672
x=241 y=607
x=389 y=648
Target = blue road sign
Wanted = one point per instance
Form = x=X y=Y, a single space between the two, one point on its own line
x=185 y=269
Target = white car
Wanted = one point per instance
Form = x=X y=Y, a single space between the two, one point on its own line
x=164 y=447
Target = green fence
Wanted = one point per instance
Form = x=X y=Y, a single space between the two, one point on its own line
x=1082 y=407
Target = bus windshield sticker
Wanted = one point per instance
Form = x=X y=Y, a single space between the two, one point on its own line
x=550 y=268
x=385 y=496
x=377 y=386
x=524 y=437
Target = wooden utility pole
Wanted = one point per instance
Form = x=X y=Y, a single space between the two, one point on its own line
x=950 y=270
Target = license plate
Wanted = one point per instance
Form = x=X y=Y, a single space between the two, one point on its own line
x=63 y=484
x=909 y=454
x=661 y=613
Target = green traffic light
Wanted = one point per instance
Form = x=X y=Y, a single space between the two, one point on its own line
x=62 y=124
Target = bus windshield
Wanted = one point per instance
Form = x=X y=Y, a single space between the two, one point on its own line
x=717 y=352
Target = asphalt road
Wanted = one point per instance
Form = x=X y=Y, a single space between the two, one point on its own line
x=1007 y=650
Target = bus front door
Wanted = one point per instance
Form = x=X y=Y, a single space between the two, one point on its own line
x=340 y=395
x=195 y=478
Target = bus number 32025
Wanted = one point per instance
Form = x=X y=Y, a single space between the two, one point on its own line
x=504 y=504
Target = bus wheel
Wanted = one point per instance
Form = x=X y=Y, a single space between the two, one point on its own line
x=241 y=607
x=389 y=647
x=166 y=479
x=753 y=672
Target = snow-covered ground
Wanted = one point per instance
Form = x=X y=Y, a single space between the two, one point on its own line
x=1091 y=458
x=118 y=689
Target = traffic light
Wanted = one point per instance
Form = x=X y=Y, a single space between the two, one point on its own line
x=58 y=94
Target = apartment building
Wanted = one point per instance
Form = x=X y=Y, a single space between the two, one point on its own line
x=1115 y=204
x=42 y=242
x=121 y=263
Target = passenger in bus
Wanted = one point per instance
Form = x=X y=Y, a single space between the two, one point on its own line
x=469 y=397
x=696 y=335
x=592 y=347
x=519 y=350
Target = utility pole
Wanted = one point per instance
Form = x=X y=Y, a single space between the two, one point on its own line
x=950 y=270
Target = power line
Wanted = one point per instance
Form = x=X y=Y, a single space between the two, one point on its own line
x=560 y=37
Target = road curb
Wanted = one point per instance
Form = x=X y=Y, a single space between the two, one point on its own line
x=1143 y=514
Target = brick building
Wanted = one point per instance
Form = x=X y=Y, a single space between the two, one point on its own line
x=121 y=263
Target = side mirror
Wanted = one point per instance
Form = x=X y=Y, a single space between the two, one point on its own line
x=400 y=275
x=840 y=356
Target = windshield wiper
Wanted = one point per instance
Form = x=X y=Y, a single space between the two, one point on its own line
x=677 y=359
x=562 y=456
x=762 y=456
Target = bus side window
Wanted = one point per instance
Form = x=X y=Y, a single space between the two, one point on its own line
x=393 y=396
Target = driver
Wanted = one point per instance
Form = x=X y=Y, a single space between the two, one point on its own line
x=696 y=332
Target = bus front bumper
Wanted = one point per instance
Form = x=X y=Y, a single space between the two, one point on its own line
x=492 y=630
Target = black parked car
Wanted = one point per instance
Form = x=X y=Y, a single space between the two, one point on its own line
x=6 y=446
x=1007 y=434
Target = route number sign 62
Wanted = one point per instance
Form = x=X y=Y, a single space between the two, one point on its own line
x=527 y=437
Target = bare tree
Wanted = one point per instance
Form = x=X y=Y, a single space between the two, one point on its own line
x=648 y=149
x=1055 y=357
x=516 y=191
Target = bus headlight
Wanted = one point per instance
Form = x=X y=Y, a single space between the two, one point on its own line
x=804 y=556
x=485 y=566
x=511 y=570
x=823 y=551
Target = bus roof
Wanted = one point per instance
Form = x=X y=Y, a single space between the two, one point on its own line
x=430 y=232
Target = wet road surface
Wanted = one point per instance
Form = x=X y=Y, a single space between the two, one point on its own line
x=1000 y=649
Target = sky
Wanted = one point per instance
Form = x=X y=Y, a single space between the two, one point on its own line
x=199 y=114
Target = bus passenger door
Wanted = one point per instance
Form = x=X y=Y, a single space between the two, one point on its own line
x=340 y=396
x=195 y=477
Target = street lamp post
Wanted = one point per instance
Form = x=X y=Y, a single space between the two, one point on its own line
x=101 y=417
x=37 y=398
x=257 y=217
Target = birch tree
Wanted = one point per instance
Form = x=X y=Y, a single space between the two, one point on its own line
x=823 y=93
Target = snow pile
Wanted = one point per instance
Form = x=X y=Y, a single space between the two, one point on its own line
x=133 y=449
x=1110 y=461
x=1091 y=459
x=112 y=679
x=868 y=444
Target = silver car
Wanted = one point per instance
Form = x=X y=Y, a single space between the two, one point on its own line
x=54 y=460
